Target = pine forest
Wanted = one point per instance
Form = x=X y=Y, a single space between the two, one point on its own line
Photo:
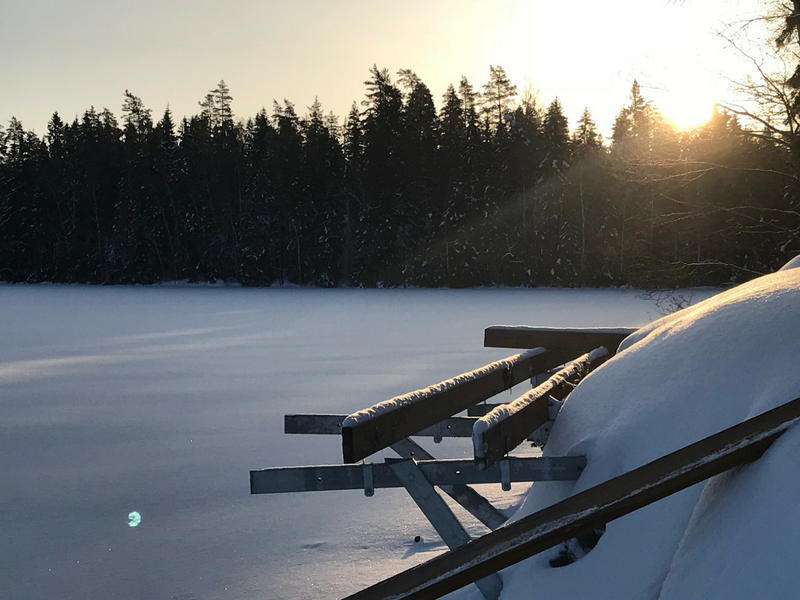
x=492 y=189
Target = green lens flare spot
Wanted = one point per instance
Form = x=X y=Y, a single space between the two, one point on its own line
x=134 y=518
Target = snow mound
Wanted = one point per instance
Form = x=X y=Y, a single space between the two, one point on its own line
x=674 y=382
x=792 y=264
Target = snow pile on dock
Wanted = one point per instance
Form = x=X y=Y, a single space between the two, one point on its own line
x=675 y=381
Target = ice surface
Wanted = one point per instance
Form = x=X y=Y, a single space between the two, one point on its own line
x=675 y=381
x=159 y=400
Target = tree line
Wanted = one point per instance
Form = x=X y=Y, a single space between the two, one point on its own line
x=491 y=189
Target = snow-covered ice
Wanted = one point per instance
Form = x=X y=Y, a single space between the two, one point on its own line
x=158 y=400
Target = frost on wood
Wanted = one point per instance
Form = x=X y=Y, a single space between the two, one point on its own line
x=426 y=393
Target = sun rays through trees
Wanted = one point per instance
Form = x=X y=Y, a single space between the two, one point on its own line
x=492 y=188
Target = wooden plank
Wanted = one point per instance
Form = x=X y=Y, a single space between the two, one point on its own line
x=373 y=429
x=507 y=426
x=441 y=517
x=583 y=512
x=478 y=506
x=322 y=424
x=567 y=341
x=279 y=480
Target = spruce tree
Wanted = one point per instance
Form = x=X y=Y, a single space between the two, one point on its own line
x=589 y=186
x=380 y=237
x=586 y=139
x=217 y=107
x=497 y=97
x=419 y=216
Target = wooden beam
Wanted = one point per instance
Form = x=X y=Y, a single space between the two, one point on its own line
x=441 y=517
x=447 y=472
x=587 y=510
x=322 y=424
x=568 y=341
x=507 y=426
x=373 y=429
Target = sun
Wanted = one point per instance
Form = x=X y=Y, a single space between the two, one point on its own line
x=687 y=92
x=686 y=110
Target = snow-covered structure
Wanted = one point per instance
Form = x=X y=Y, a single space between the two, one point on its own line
x=676 y=381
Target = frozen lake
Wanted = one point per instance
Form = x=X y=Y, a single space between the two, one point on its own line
x=160 y=399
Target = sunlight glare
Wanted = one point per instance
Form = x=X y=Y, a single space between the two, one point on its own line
x=688 y=92
x=686 y=110
x=674 y=62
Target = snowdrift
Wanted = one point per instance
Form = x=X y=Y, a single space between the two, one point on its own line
x=673 y=382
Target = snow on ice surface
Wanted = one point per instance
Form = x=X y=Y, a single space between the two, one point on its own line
x=158 y=400
x=675 y=381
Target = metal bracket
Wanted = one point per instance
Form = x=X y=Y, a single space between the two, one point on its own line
x=369 y=482
x=437 y=433
x=505 y=475
x=539 y=437
x=554 y=407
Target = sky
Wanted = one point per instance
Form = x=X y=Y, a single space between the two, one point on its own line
x=68 y=55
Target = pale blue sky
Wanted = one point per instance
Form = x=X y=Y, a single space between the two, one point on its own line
x=68 y=55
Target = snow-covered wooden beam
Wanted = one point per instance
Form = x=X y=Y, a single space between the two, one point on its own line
x=567 y=341
x=587 y=510
x=379 y=426
x=496 y=434
x=459 y=427
x=447 y=472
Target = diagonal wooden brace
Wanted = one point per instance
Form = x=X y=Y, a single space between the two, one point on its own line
x=478 y=506
x=441 y=517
